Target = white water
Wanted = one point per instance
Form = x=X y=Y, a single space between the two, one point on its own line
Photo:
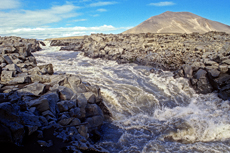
x=151 y=112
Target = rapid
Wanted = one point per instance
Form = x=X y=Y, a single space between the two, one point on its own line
x=151 y=112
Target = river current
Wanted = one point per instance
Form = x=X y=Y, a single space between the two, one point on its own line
x=151 y=112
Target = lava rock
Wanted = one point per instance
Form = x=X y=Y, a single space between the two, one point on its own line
x=65 y=93
x=34 y=89
x=203 y=85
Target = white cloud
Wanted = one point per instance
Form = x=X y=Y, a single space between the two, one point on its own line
x=95 y=15
x=35 y=23
x=9 y=4
x=162 y=4
x=28 y=18
x=101 y=4
x=101 y=10
x=78 y=20
x=42 y=33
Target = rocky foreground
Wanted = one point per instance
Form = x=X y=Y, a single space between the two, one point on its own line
x=202 y=58
x=43 y=111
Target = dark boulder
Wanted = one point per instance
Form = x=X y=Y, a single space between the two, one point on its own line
x=222 y=84
x=42 y=43
x=65 y=93
x=187 y=70
x=8 y=59
x=202 y=85
x=214 y=73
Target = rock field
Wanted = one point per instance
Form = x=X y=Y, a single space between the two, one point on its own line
x=202 y=58
x=34 y=99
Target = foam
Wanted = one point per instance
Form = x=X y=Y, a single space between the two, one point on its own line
x=154 y=111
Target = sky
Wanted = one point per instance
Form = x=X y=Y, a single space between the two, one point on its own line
x=61 y=18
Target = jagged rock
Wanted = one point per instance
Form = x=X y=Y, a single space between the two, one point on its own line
x=43 y=120
x=197 y=65
x=83 y=131
x=16 y=121
x=93 y=110
x=54 y=87
x=226 y=61
x=211 y=63
x=96 y=90
x=57 y=80
x=81 y=101
x=53 y=98
x=187 y=70
x=8 y=59
x=13 y=67
x=7 y=75
x=65 y=93
x=75 y=112
x=203 y=85
x=48 y=112
x=3 y=65
x=65 y=121
x=225 y=92
x=66 y=105
x=75 y=121
x=63 y=106
x=221 y=83
x=214 y=73
x=24 y=74
x=34 y=88
x=45 y=102
x=42 y=104
x=8 y=89
x=95 y=121
x=72 y=82
x=31 y=129
x=50 y=119
x=91 y=98
x=35 y=71
x=1 y=59
x=20 y=80
x=223 y=68
x=46 y=69
x=179 y=73
x=40 y=78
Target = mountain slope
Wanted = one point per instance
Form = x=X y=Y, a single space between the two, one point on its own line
x=178 y=22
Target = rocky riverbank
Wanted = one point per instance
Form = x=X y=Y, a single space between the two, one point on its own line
x=202 y=58
x=51 y=112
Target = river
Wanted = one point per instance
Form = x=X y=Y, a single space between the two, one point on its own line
x=151 y=112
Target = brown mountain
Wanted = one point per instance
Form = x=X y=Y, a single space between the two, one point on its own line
x=178 y=22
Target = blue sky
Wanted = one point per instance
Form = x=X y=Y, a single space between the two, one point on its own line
x=60 y=18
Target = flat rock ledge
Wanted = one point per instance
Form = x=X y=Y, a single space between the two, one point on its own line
x=52 y=113
x=202 y=58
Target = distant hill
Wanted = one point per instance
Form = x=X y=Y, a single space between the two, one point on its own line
x=178 y=22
